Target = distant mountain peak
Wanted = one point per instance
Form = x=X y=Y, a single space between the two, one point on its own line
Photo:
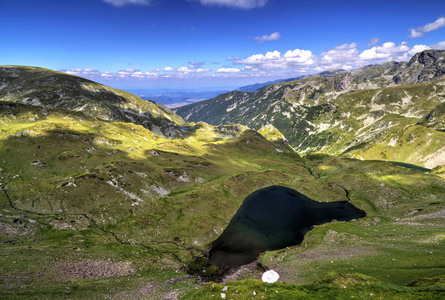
x=428 y=57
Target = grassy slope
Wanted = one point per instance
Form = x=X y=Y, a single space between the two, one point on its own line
x=62 y=171
x=56 y=90
x=317 y=117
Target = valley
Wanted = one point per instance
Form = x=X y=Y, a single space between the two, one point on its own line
x=108 y=196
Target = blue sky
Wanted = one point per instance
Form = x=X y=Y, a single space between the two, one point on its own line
x=213 y=43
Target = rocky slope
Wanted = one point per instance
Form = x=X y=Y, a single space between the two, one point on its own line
x=54 y=90
x=351 y=113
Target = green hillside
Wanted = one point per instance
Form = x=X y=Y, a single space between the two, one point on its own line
x=100 y=207
x=55 y=90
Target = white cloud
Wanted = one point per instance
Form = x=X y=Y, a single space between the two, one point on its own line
x=244 y=4
x=196 y=65
x=202 y=70
x=127 y=2
x=107 y=75
x=228 y=70
x=336 y=57
x=138 y=75
x=249 y=69
x=142 y=75
x=271 y=37
x=131 y=70
x=434 y=26
x=299 y=56
x=373 y=41
x=388 y=51
x=420 y=31
x=122 y=74
x=440 y=45
x=346 y=57
x=184 y=70
x=86 y=73
x=274 y=63
x=417 y=49
x=415 y=34
x=274 y=60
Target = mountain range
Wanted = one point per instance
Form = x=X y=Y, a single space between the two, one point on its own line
x=105 y=195
x=374 y=112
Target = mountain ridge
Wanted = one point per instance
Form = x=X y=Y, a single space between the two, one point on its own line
x=324 y=113
x=56 y=90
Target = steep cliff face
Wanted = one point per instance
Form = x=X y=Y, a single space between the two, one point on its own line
x=426 y=66
x=54 y=90
x=350 y=113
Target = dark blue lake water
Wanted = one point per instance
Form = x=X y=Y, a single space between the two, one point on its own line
x=274 y=218
x=410 y=166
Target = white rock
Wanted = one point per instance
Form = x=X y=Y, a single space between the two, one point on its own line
x=223 y=295
x=270 y=276
x=225 y=288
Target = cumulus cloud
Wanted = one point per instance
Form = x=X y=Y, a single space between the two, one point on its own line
x=169 y=69
x=346 y=57
x=417 y=49
x=228 y=70
x=271 y=37
x=274 y=60
x=420 y=31
x=244 y=4
x=120 y=3
x=341 y=53
x=388 y=51
x=107 y=75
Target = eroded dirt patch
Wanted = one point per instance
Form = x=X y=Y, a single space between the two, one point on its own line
x=91 y=269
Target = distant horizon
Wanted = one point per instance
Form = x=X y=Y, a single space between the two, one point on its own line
x=192 y=44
